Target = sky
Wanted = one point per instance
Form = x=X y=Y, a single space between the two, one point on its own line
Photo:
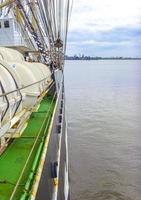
x=105 y=28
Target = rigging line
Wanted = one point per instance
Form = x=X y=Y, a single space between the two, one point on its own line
x=42 y=37
x=42 y=16
x=59 y=18
x=71 y=7
x=56 y=17
x=47 y=13
x=53 y=17
x=64 y=21
x=32 y=31
x=22 y=25
x=68 y=21
x=66 y=26
x=25 y=34
x=50 y=22
x=23 y=31
x=6 y=3
x=47 y=18
x=50 y=39
x=40 y=27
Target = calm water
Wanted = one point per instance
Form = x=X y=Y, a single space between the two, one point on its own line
x=104 y=129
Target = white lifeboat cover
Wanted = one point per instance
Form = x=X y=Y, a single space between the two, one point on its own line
x=10 y=55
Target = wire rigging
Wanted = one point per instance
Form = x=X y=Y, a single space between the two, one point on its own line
x=46 y=24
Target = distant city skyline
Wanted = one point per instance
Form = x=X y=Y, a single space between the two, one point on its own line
x=87 y=57
x=105 y=28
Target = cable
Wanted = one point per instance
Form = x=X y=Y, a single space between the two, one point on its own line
x=51 y=19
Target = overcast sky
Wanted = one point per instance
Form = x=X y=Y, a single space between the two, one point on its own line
x=105 y=28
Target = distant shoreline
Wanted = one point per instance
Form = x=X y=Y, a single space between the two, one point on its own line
x=100 y=58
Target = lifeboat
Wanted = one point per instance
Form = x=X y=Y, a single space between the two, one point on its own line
x=22 y=86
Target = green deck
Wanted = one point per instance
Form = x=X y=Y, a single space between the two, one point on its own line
x=13 y=160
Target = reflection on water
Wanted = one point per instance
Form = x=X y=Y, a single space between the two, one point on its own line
x=104 y=129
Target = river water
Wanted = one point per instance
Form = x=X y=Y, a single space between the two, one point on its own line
x=104 y=129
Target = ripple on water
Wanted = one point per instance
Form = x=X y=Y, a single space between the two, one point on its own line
x=110 y=195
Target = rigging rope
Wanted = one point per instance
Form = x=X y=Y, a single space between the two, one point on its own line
x=47 y=22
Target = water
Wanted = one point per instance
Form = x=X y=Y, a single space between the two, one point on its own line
x=104 y=129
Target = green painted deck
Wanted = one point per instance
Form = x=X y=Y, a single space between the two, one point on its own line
x=13 y=160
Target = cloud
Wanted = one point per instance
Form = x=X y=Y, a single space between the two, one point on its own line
x=105 y=23
x=98 y=15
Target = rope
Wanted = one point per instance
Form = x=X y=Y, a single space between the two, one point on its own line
x=51 y=18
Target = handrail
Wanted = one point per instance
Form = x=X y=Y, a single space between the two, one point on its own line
x=35 y=186
x=19 y=89
x=2 y=89
x=33 y=147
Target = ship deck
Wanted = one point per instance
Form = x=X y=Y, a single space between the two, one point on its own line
x=18 y=164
